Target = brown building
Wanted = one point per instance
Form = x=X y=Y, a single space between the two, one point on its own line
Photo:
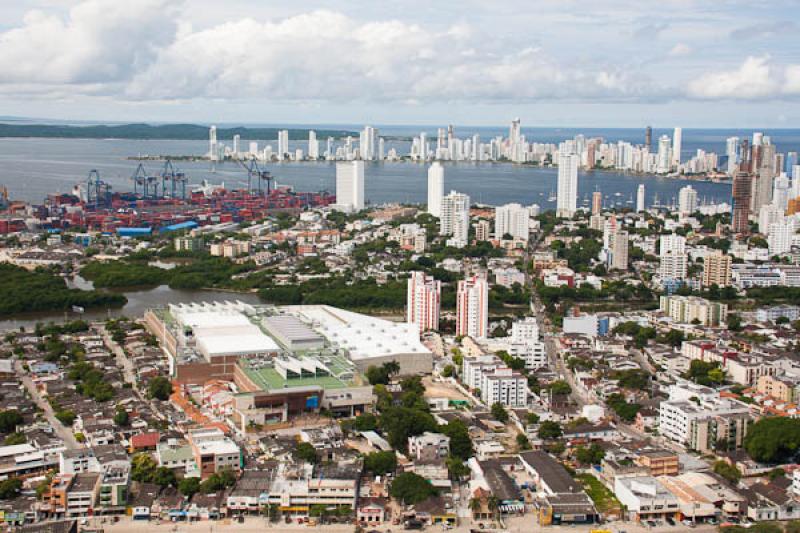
x=777 y=387
x=659 y=462
x=717 y=270
x=742 y=193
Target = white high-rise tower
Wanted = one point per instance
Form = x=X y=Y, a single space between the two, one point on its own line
x=435 y=189
x=213 y=148
x=350 y=185
x=472 y=307
x=423 y=301
x=640 y=198
x=676 y=147
x=567 y=199
x=313 y=145
x=283 y=144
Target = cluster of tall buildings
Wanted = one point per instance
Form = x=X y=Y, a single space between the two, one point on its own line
x=424 y=300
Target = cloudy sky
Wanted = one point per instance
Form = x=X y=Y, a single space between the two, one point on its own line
x=622 y=63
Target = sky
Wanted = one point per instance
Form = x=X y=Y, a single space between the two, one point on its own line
x=568 y=63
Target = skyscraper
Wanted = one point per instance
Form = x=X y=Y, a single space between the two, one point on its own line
x=640 y=198
x=350 y=185
x=732 y=151
x=597 y=202
x=283 y=144
x=618 y=250
x=663 y=162
x=472 y=307
x=213 y=149
x=236 y=141
x=781 y=190
x=648 y=138
x=512 y=219
x=717 y=269
x=567 y=199
x=423 y=301
x=779 y=236
x=687 y=201
x=676 y=147
x=435 y=188
x=368 y=143
x=672 y=255
x=313 y=145
x=741 y=192
x=455 y=219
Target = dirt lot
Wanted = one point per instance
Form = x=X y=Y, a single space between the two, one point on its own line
x=435 y=389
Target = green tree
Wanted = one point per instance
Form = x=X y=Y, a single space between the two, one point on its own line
x=164 y=477
x=9 y=420
x=549 y=429
x=532 y=418
x=522 y=442
x=305 y=452
x=734 y=322
x=456 y=468
x=460 y=441
x=143 y=467
x=121 y=417
x=380 y=463
x=400 y=423
x=10 y=488
x=448 y=371
x=499 y=412
x=560 y=387
x=159 y=388
x=14 y=439
x=65 y=416
x=189 y=486
x=773 y=439
x=365 y=422
x=410 y=488
x=590 y=455
x=729 y=472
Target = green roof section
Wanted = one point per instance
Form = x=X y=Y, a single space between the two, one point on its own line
x=343 y=374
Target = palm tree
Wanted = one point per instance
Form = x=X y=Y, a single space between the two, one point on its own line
x=474 y=506
x=494 y=505
x=392 y=367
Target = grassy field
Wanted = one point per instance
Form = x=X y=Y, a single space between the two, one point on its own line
x=603 y=499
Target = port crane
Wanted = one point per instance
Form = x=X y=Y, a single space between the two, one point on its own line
x=98 y=192
x=176 y=179
x=254 y=172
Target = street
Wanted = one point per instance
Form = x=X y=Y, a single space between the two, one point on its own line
x=63 y=433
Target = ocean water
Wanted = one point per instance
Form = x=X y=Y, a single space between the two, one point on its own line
x=33 y=168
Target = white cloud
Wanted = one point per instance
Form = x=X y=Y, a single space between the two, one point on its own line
x=100 y=41
x=680 y=49
x=755 y=78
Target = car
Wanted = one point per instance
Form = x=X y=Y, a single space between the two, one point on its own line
x=712 y=521
x=651 y=523
x=733 y=519
x=670 y=521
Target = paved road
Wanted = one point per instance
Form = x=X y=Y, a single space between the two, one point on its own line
x=61 y=431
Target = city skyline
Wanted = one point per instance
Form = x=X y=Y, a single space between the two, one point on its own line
x=686 y=63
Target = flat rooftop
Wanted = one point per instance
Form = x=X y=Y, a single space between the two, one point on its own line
x=265 y=376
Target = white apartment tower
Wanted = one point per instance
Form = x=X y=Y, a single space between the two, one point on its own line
x=640 y=198
x=567 y=200
x=687 y=201
x=313 y=145
x=663 y=161
x=472 y=307
x=511 y=219
x=673 y=257
x=676 y=147
x=455 y=219
x=435 y=189
x=423 y=301
x=618 y=250
x=213 y=148
x=350 y=185
x=283 y=144
x=368 y=143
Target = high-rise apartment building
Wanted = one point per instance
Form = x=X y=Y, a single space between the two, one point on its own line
x=472 y=307
x=717 y=269
x=567 y=199
x=213 y=148
x=423 y=301
x=350 y=185
x=313 y=145
x=741 y=192
x=283 y=144
x=483 y=230
x=640 y=198
x=511 y=219
x=435 y=188
x=687 y=201
x=663 y=159
x=455 y=219
x=672 y=255
x=597 y=202
x=677 y=137
x=618 y=250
